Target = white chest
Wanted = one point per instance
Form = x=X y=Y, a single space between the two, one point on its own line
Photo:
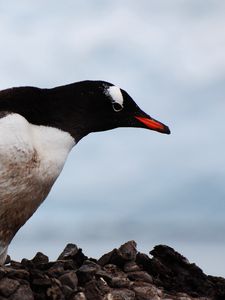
x=31 y=158
x=40 y=150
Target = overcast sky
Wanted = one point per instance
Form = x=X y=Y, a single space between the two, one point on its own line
x=130 y=183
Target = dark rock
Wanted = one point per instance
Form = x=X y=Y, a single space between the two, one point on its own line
x=70 y=265
x=55 y=293
x=131 y=266
x=69 y=252
x=140 y=276
x=39 y=296
x=26 y=263
x=120 y=294
x=114 y=272
x=89 y=267
x=24 y=292
x=87 y=271
x=146 y=291
x=67 y=291
x=92 y=291
x=8 y=286
x=114 y=276
x=15 y=264
x=18 y=274
x=80 y=258
x=107 y=258
x=3 y=272
x=218 y=287
x=103 y=286
x=69 y=279
x=56 y=270
x=46 y=281
x=176 y=273
x=122 y=274
x=105 y=275
x=120 y=282
x=144 y=261
x=126 y=252
x=40 y=258
x=79 y=296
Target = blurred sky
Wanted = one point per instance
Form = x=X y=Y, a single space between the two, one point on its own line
x=130 y=183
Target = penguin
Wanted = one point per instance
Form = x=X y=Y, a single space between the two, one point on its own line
x=38 y=129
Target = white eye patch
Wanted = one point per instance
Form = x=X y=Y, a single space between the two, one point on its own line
x=116 y=97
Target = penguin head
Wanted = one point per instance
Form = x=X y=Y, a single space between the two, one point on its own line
x=104 y=106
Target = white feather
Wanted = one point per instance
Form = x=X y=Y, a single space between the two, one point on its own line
x=31 y=158
x=115 y=93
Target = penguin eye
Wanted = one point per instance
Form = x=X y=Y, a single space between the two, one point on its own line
x=117 y=107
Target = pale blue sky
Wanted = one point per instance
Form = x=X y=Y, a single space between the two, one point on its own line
x=130 y=183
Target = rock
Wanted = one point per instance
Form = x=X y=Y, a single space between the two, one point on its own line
x=145 y=262
x=18 y=274
x=140 y=276
x=131 y=266
x=107 y=258
x=176 y=273
x=67 y=291
x=40 y=258
x=56 y=270
x=15 y=264
x=89 y=267
x=24 y=292
x=69 y=279
x=69 y=252
x=55 y=290
x=79 y=296
x=104 y=275
x=146 y=291
x=3 y=272
x=126 y=252
x=103 y=286
x=87 y=270
x=116 y=277
x=46 y=281
x=8 y=286
x=92 y=291
x=120 y=282
x=122 y=274
x=69 y=264
x=120 y=294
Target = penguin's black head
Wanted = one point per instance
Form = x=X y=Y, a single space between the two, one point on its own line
x=78 y=108
x=103 y=106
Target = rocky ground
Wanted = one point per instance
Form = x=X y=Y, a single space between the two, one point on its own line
x=122 y=274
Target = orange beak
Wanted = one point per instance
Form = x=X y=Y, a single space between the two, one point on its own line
x=153 y=124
